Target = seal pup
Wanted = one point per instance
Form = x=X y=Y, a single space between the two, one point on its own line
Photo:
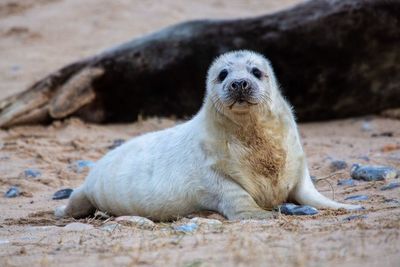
x=240 y=155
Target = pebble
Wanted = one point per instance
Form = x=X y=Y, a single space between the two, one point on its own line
x=116 y=143
x=62 y=194
x=45 y=228
x=365 y=158
x=76 y=226
x=204 y=221
x=392 y=200
x=256 y=222
x=15 y=68
x=12 y=192
x=32 y=173
x=293 y=209
x=366 y=126
x=81 y=165
x=110 y=227
x=187 y=228
x=372 y=173
x=137 y=221
x=383 y=134
x=347 y=182
x=4 y=241
x=357 y=197
x=390 y=186
x=354 y=217
x=337 y=165
x=313 y=179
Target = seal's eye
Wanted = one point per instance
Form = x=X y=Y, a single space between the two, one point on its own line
x=257 y=73
x=222 y=75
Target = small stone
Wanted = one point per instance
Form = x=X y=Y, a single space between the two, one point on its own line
x=372 y=173
x=292 y=209
x=4 y=241
x=32 y=173
x=76 y=226
x=365 y=158
x=204 y=221
x=383 y=134
x=187 y=228
x=12 y=192
x=137 y=221
x=366 y=126
x=337 y=165
x=256 y=222
x=15 y=68
x=392 y=200
x=81 y=165
x=62 y=194
x=346 y=182
x=110 y=227
x=390 y=186
x=355 y=217
x=313 y=179
x=357 y=198
x=116 y=143
x=45 y=228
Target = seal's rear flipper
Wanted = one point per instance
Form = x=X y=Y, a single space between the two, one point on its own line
x=305 y=193
x=78 y=206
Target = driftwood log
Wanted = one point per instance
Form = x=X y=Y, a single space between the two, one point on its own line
x=333 y=58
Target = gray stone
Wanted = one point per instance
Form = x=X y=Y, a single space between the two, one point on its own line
x=32 y=173
x=346 y=182
x=116 y=143
x=62 y=194
x=205 y=221
x=392 y=200
x=76 y=226
x=13 y=191
x=390 y=186
x=366 y=126
x=355 y=217
x=187 y=228
x=137 y=221
x=293 y=209
x=110 y=227
x=81 y=165
x=337 y=165
x=357 y=198
x=372 y=173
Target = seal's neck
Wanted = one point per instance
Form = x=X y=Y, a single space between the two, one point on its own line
x=221 y=122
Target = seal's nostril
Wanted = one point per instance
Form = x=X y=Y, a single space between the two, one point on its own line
x=240 y=85
x=245 y=85
x=235 y=85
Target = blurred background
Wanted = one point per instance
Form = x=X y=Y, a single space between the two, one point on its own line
x=40 y=36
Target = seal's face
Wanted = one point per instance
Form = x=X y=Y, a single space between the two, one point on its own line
x=240 y=80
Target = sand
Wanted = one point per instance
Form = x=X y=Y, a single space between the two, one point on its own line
x=39 y=36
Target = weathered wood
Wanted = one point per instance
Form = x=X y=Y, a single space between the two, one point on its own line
x=333 y=58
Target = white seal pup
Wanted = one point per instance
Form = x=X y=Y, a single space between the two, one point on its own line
x=240 y=155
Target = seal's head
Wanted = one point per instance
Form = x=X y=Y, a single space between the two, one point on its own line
x=241 y=81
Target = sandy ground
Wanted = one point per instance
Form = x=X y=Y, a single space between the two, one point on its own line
x=38 y=36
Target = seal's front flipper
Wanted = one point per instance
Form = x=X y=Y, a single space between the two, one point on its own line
x=232 y=201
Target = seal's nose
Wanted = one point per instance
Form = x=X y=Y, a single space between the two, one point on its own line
x=239 y=85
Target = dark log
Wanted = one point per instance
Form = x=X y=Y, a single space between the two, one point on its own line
x=333 y=58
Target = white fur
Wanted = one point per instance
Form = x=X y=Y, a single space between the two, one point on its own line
x=170 y=173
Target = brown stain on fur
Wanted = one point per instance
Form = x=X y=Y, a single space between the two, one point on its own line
x=263 y=163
